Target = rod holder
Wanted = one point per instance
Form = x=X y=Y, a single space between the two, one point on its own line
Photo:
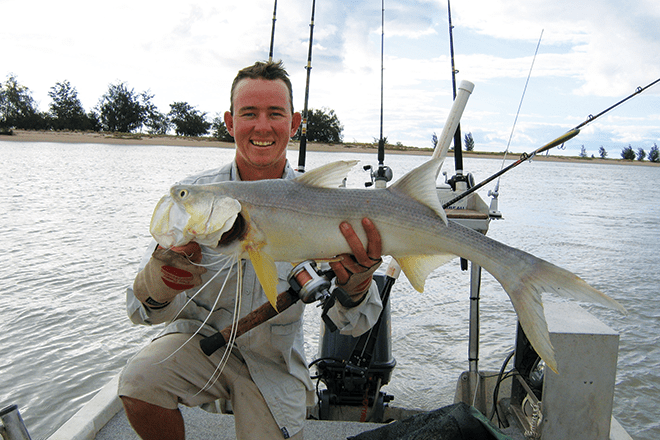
x=464 y=91
x=12 y=427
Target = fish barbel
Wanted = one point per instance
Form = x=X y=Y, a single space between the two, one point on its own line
x=298 y=219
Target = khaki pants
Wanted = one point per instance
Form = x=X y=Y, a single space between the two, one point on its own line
x=157 y=376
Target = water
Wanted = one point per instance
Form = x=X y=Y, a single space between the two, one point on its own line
x=74 y=225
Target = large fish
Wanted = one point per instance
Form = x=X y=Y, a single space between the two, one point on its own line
x=295 y=220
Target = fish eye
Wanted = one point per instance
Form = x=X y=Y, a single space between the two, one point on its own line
x=183 y=193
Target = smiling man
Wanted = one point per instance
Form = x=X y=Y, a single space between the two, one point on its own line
x=266 y=377
x=262 y=121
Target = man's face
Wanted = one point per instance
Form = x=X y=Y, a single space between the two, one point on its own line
x=261 y=125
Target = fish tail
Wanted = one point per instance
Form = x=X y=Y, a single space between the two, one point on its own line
x=525 y=278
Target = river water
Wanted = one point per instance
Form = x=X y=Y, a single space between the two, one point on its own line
x=74 y=224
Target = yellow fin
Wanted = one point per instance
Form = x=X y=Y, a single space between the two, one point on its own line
x=264 y=266
x=418 y=267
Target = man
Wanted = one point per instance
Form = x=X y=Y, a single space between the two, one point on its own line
x=266 y=377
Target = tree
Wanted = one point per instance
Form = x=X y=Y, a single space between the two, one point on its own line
x=654 y=154
x=66 y=111
x=602 y=152
x=583 y=151
x=469 y=142
x=219 y=129
x=434 y=140
x=323 y=126
x=121 y=109
x=641 y=154
x=627 y=153
x=187 y=120
x=155 y=121
x=17 y=107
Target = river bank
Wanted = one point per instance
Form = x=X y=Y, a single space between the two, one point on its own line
x=182 y=141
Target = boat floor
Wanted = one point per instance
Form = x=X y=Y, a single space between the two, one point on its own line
x=202 y=425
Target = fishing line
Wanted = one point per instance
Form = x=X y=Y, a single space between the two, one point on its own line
x=222 y=288
x=515 y=121
x=232 y=336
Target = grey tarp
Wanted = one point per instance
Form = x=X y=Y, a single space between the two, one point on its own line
x=454 y=422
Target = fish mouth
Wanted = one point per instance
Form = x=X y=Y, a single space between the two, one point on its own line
x=237 y=232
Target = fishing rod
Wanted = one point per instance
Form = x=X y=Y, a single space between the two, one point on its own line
x=272 y=34
x=558 y=141
x=458 y=148
x=383 y=174
x=302 y=150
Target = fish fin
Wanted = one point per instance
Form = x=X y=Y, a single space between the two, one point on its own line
x=331 y=175
x=420 y=185
x=524 y=283
x=418 y=267
x=529 y=308
x=264 y=267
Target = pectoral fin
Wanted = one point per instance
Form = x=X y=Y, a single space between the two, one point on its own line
x=264 y=266
x=418 y=267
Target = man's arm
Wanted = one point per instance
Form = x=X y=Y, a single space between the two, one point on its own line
x=167 y=273
x=355 y=276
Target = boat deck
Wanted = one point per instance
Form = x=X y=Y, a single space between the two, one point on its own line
x=202 y=425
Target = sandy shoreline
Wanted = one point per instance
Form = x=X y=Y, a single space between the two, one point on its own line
x=147 y=139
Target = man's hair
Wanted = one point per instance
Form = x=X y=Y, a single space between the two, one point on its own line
x=269 y=70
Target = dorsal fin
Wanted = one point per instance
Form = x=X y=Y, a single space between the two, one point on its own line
x=330 y=175
x=420 y=185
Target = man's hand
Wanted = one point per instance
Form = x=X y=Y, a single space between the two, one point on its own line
x=354 y=272
x=168 y=273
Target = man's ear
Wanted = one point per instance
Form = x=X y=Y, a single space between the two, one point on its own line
x=229 y=123
x=295 y=123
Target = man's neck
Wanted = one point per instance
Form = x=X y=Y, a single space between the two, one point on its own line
x=249 y=173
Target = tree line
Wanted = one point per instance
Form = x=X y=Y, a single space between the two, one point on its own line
x=121 y=109
x=627 y=153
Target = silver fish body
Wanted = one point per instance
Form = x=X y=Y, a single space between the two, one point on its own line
x=295 y=220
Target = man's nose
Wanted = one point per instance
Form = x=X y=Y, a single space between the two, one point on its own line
x=262 y=124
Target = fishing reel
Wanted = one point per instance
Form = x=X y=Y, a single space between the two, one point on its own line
x=383 y=173
x=313 y=284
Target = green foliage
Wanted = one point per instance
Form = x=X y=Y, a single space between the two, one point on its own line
x=434 y=140
x=187 y=120
x=17 y=107
x=641 y=154
x=583 y=152
x=627 y=153
x=219 y=129
x=123 y=110
x=654 y=154
x=155 y=121
x=468 y=140
x=66 y=111
x=602 y=152
x=323 y=126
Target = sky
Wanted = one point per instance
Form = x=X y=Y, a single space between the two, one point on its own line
x=591 y=54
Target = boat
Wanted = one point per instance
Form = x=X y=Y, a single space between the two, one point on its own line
x=529 y=401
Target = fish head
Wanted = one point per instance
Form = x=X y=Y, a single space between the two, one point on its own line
x=193 y=213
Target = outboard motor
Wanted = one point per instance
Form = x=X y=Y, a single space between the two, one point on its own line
x=354 y=369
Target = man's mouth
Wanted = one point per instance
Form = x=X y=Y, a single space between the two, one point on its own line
x=262 y=143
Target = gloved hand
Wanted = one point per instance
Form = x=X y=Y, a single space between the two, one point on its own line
x=354 y=272
x=168 y=273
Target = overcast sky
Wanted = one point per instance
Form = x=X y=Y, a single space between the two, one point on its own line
x=591 y=55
